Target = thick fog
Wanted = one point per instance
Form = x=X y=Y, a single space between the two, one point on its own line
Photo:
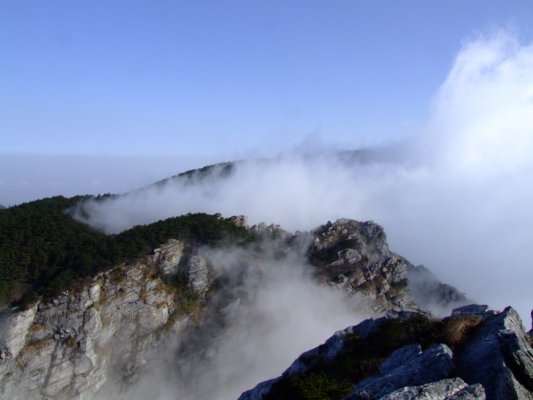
x=457 y=197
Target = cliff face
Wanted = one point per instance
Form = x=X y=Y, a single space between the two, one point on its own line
x=104 y=330
x=72 y=344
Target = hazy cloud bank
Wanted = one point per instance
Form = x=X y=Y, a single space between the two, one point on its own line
x=457 y=198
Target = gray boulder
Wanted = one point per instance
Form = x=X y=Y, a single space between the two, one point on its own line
x=499 y=358
x=471 y=392
x=400 y=357
x=354 y=256
x=445 y=389
x=478 y=310
x=518 y=356
x=431 y=365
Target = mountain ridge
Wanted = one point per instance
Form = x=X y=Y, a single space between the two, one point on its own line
x=173 y=289
x=91 y=315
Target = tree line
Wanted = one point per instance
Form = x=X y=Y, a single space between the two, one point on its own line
x=44 y=251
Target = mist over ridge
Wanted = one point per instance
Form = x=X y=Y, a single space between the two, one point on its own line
x=456 y=198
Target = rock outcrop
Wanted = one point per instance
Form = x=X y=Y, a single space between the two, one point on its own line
x=384 y=358
x=445 y=389
x=168 y=257
x=355 y=257
x=74 y=343
x=499 y=357
x=401 y=371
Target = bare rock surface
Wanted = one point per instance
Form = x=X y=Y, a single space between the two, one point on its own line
x=445 y=389
x=431 y=365
x=500 y=358
x=494 y=362
x=65 y=347
x=355 y=257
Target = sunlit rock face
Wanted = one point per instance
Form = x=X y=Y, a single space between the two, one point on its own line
x=355 y=257
x=105 y=331
x=70 y=345
x=168 y=256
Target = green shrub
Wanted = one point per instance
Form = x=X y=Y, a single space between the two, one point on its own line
x=319 y=386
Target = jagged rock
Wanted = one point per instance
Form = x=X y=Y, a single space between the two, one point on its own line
x=429 y=366
x=518 y=356
x=169 y=255
x=330 y=348
x=385 y=281
x=345 y=244
x=354 y=256
x=65 y=347
x=445 y=389
x=471 y=392
x=494 y=362
x=478 y=310
x=498 y=346
x=400 y=357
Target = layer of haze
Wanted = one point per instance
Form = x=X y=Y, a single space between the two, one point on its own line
x=457 y=198
x=27 y=177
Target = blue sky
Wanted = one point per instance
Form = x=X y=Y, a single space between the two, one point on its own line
x=218 y=79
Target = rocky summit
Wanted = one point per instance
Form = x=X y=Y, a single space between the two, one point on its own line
x=105 y=329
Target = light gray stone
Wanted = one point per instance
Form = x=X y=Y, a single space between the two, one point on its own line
x=431 y=365
x=471 y=392
x=483 y=360
x=65 y=347
x=400 y=357
x=439 y=390
x=169 y=256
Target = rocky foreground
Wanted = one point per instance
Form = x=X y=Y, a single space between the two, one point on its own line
x=475 y=353
x=104 y=330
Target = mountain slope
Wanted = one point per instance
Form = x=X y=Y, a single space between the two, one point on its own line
x=106 y=328
x=43 y=250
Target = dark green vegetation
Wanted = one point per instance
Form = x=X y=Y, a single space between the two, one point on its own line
x=215 y=171
x=360 y=358
x=43 y=250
